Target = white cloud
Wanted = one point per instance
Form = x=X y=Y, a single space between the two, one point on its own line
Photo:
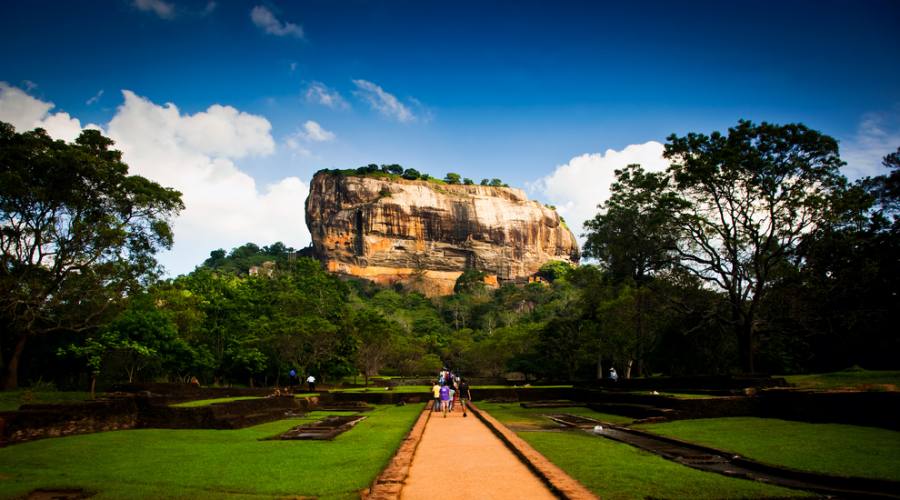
x=577 y=187
x=318 y=93
x=383 y=102
x=194 y=154
x=164 y=10
x=315 y=133
x=877 y=135
x=264 y=18
x=25 y=112
x=95 y=98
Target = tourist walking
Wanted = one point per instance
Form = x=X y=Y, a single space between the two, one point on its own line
x=436 y=392
x=464 y=395
x=311 y=382
x=293 y=378
x=445 y=399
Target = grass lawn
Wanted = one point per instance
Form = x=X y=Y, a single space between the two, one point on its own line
x=616 y=471
x=207 y=402
x=379 y=388
x=866 y=380
x=11 y=400
x=162 y=463
x=514 y=414
x=846 y=450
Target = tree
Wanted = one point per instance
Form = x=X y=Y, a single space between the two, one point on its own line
x=77 y=234
x=452 y=178
x=485 y=182
x=633 y=235
x=374 y=335
x=394 y=169
x=749 y=197
x=468 y=182
x=411 y=174
x=496 y=182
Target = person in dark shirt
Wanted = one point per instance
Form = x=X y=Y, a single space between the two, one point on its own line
x=464 y=395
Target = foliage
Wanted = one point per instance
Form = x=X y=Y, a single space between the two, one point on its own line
x=78 y=233
x=748 y=198
x=452 y=178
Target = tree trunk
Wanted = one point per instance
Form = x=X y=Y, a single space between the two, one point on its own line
x=93 y=386
x=11 y=380
x=628 y=368
x=599 y=366
x=746 y=347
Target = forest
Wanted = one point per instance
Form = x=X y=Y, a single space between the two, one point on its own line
x=750 y=254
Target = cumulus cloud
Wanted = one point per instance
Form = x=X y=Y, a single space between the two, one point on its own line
x=577 y=187
x=319 y=93
x=164 y=10
x=25 y=112
x=195 y=154
x=877 y=135
x=383 y=102
x=264 y=19
x=314 y=132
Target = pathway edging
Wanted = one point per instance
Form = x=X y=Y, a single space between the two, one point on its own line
x=560 y=483
x=388 y=484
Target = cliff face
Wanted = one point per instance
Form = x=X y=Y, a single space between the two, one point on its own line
x=425 y=235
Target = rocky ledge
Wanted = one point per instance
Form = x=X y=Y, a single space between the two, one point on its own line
x=425 y=234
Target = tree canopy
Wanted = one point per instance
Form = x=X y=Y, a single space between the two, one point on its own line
x=77 y=234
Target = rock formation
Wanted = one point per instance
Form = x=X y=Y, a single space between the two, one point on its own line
x=424 y=234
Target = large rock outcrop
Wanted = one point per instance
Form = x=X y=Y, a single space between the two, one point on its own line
x=424 y=234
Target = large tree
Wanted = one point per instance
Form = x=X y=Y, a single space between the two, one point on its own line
x=77 y=233
x=750 y=197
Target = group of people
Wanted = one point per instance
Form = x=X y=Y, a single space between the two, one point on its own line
x=450 y=392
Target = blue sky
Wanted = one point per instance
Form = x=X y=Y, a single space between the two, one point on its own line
x=540 y=94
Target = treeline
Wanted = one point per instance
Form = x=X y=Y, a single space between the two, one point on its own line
x=397 y=171
x=751 y=253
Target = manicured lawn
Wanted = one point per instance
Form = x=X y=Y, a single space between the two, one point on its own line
x=616 y=471
x=207 y=402
x=377 y=388
x=11 y=400
x=514 y=414
x=848 y=379
x=846 y=450
x=159 y=463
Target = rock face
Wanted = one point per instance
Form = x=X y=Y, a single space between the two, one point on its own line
x=424 y=234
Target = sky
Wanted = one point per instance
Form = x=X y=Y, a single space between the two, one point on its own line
x=236 y=104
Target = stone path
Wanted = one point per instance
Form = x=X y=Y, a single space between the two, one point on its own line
x=461 y=458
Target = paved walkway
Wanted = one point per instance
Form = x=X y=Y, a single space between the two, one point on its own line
x=460 y=458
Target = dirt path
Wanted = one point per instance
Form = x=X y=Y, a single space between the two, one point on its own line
x=460 y=458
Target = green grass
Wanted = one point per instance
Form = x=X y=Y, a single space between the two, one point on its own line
x=846 y=450
x=616 y=471
x=207 y=402
x=856 y=379
x=381 y=388
x=11 y=400
x=521 y=387
x=160 y=463
x=514 y=414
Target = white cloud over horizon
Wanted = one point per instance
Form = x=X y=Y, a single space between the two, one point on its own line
x=196 y=155
x=265 y=19
x=579 y=186
x=384 y=102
